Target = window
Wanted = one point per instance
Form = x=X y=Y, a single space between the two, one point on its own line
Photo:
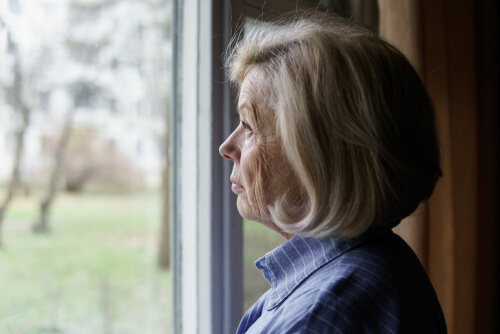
x=84 y=96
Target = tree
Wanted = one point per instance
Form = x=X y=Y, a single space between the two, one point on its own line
x=92 y=160
x=23 y=111
x=164 y=244
x=159 y=88
x=80 y=91
x=34 y=60
x=108 y=69
x=42 y=225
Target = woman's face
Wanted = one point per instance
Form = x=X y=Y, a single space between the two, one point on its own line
x=259 y=172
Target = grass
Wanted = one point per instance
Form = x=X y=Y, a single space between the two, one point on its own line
x=95 y=272
x=257 y=241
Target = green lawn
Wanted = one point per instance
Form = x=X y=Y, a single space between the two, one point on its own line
x=257 y=241
x=95 y=272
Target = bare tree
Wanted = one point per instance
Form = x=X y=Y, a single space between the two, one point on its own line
x=42 y=225
x=24 y=112
x=159 y=89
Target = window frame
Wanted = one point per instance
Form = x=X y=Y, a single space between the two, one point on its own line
x=206 y=241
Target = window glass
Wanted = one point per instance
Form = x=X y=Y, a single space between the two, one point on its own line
x=84 y=95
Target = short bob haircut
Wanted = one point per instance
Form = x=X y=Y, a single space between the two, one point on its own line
x=354 y=120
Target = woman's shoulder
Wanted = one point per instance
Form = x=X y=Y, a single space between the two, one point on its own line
x=382 y=270
x=387 y=255
x=377 y=286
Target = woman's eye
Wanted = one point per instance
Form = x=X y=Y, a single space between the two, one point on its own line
x=246 y=126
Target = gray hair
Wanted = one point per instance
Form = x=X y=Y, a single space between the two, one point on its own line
x=353 y=118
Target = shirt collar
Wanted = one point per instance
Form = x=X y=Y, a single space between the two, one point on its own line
x=291 y=263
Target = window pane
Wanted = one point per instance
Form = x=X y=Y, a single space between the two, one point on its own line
x=84 y=95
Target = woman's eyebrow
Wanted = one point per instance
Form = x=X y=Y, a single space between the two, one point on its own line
x=245 y=106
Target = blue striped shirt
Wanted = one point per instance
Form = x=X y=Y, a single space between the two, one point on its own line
x=370 y=284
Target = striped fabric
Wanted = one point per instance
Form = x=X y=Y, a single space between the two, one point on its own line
x=371 y=284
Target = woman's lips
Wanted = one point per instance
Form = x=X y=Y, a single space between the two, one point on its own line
x=236 y=187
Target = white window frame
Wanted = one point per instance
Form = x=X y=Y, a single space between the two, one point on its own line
x=206 y=229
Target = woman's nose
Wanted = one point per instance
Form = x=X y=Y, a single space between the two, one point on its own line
x=229 y=148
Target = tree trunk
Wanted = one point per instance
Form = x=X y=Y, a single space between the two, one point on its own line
x=21 y=108
x=43 y=225
x=164 y=246
x=15 y=176
x=2 y=210
x=164 y=108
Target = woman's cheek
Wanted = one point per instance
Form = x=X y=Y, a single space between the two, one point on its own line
x=254 y=171
x=249 y=165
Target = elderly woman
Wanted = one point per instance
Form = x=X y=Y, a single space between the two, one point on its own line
x=336 y=144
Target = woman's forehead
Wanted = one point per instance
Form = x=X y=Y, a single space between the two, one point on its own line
x=247 y=98
x=255 y=103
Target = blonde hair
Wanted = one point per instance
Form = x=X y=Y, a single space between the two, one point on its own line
x=354 y=121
